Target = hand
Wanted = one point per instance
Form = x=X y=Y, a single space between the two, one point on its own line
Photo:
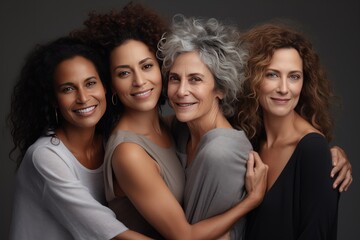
x=226 y=236
x=341 y=167
x=256 y=177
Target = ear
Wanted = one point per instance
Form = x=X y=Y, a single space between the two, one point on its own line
x=219 y=94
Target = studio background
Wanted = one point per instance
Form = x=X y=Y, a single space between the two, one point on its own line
x=333 y=26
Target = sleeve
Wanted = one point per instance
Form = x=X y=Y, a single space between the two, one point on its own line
x=70 y=201
x=318 y=200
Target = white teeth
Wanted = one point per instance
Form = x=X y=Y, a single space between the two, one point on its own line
x=85 y=110
x=142 y=94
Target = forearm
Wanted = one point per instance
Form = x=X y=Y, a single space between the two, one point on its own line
x=130 y=235
x=217 y=226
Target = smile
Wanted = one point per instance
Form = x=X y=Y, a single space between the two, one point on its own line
x=85 y=110
x=184 y=104
x=141 y=94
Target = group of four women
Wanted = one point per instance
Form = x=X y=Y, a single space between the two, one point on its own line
x=86 y=118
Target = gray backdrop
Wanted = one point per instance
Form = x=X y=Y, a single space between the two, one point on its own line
x=334 y=28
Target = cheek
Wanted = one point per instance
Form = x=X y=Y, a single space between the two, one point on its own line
x=63 y=102
x=120 y=86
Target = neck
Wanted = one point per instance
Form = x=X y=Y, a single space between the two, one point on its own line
x=201 y=126
x=74 y=137
x=279 y=129
x=140 y=122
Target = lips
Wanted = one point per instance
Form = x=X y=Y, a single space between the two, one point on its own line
x=184 y=104
x=85 y=110
x=143 y=93
x=281 y=100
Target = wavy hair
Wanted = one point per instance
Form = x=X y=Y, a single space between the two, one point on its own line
x=218 y=48
x=32 y=112
x=316 y=94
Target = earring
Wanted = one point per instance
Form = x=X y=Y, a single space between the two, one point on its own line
x=56 y=117
x=114 y=99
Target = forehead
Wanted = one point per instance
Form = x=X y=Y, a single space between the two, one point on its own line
x=75 y=67
x=286 y=58
x=131 y=49
x=190 y=62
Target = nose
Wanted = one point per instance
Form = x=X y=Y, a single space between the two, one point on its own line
x=183 y=88
x=139 y=80
x=283 y=86
x=82 y=96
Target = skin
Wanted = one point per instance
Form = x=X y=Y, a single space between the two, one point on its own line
x=192 y=94
x=80 y=97
x=137 y=174
x=287 y=64
x=278 y=96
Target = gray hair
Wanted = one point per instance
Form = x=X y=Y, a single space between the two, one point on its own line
x=219 y=48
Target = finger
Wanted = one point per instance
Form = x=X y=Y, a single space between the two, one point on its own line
x=250 y=163
x=340 y=177
x=335 y=170
x=334 y=156
x=346 y=183
x=257 y=159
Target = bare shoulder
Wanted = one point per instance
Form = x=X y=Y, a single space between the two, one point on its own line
x=131 y=155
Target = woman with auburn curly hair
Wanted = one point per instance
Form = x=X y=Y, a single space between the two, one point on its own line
x=285 y=109
x=143 y=176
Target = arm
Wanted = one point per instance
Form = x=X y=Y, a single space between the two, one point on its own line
x=341 y=167
x=130 y=235
x=69 y=201
x=139 y=178
x=318 y=201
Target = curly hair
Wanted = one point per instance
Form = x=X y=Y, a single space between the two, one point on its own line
x=32 y=112
x=316 y=94
x=218 y=47
x=112 y=29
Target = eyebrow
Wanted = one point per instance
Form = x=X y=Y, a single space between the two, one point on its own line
x=294 y=71
x=72 y=84
x=128 y=66
x=189 y=75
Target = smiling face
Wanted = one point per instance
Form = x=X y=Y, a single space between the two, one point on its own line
x=79 y=92
x=191 y=89
x=281 y=86
x=136 y=76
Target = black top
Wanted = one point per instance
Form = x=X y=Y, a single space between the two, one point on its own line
x=301 y=204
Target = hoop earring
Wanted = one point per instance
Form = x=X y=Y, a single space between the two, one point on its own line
x=114 y=99
x=56 y=117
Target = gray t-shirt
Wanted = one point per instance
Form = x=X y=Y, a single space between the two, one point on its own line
x=57 y=198
x=215 y=179
x=170 y=170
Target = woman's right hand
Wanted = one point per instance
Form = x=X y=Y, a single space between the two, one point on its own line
x=256 y=178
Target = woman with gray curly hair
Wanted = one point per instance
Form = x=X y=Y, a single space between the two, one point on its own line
x=202 y=68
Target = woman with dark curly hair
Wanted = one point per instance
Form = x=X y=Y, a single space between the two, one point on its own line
x=285 y=110
x=56 y=107
x=143 y=177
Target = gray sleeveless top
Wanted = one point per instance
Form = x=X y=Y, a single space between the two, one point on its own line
x=170 y=170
